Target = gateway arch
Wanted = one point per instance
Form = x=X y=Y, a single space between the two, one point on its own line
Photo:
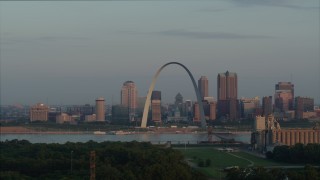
x=148 y=100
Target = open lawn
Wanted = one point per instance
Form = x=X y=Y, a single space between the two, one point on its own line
x=221 y=160
x=259 y=161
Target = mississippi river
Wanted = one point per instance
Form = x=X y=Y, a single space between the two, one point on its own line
x=153 y=138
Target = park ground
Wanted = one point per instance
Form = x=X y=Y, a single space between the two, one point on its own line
x=221 y=159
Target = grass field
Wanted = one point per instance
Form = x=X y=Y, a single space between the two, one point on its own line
x=221 y=160
x=259 y=161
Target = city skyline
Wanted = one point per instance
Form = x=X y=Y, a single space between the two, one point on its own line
x=53 y=52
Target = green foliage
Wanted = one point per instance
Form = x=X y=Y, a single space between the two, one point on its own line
x=12 y=175
x=114 y=160
x=220 y=160
x=208 y=162
x=194 y=157
x=200 y=163
x=269 y=155
x=278 y=173
x=298 y=153
x=309 y=173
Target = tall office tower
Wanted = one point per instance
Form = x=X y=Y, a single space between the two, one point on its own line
x=212 y=106
x=209 y=108
x=284 y=94
x=129 y=95
x=227 y=84
x=178 y=99
x=188 y=109
x=233 y=109
x=267 y=106
x=188 y=104
x=196 y=113
x=156 y=95
x=285 y=86
x=156 y=106
x=179 y=103
x=203 y=86
x=100 y=111
x=303 y=104
x=39 y=112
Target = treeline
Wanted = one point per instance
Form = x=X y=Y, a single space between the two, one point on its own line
x=308 y=173
x=114 y=160
x=298 y=153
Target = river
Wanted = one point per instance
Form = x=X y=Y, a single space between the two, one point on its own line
x=153 y=138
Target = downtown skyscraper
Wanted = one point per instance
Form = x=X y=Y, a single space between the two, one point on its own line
x=129 y=97
x=267 y=108
x=100 y=109
x=227 y=89
x=227 y=86
x=156 y=106
x=203 y=86
x=284 y=96
x=303 y=106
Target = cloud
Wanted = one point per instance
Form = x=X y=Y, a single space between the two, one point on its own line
x=40 y=39
x=198 y=35
x=210 y=35
x=54 y=38
x=212 y=9
x=275 y=3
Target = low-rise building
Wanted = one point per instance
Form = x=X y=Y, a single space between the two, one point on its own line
x=39 y=112
x=90 y=118
x=267 y=133
x=63 y=118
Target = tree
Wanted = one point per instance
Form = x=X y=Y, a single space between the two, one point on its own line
x=281 y=153
x=200 y=163
x=208 y=162
x=269 y=155
x=311 y=173
x=114 y=160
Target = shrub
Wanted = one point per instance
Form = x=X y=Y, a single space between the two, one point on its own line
x=269 y=155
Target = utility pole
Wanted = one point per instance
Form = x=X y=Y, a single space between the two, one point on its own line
x=92 y=165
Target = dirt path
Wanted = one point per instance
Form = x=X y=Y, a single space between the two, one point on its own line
x=251 y=162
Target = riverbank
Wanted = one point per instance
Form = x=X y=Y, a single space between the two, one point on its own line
x=23 y=130
x=39 y=130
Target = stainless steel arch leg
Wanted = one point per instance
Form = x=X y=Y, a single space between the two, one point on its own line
x=148 y=100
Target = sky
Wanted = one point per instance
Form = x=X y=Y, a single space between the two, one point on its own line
x=71 y=52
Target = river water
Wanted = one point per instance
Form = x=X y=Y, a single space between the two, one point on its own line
x=153 y=138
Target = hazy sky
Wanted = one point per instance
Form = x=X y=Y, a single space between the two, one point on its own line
x=71 y=52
